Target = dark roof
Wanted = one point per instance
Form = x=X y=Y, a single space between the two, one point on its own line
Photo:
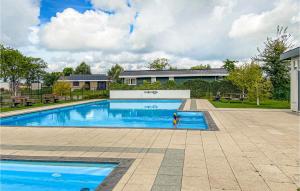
x=208 y=72
x=86 y=77
x=290 y=54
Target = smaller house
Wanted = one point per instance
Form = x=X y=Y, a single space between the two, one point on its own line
x=294 y=58
x=88 y=82
x=136 y=77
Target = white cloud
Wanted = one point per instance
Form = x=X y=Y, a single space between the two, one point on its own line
x=113 y=5
x=188 y=33
x=71 y=30
x=250 y=25
x=17 y=18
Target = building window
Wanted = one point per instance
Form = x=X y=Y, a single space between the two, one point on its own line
x=130 y=81
x=75 y=83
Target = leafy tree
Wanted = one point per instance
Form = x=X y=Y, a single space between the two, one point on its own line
x=276 y=70
x=12 y=67
x=229 y=65
x=200 y=67
x=61 y=88
x=173 y=68
x=68 y=71
x=159 y=64
x=115 y=72
x=258 y=87
x=83 y=68
x=35 y=69
x=50 y=78
x=249 y=77
x=239 y=77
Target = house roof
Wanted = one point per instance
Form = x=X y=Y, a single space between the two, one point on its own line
x=85 y=77
x=290 y=54
x=174 y=73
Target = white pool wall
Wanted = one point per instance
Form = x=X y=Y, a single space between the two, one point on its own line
x=150 y=94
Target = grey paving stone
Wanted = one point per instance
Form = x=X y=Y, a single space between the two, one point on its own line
x=193 y=105
x=175 y=156
x=165 y=188
x=170 y=170
x=156 y=150
x=172 y=162
x=162 y=179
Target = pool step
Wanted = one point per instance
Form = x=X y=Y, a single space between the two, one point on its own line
x=191 y=120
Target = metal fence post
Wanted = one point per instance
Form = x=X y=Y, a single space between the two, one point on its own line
x=71 y=97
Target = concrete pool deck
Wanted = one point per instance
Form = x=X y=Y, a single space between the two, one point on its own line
x=254 y=149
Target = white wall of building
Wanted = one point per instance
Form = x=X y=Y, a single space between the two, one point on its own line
x=4 y=85
x=295 y=68
x=150 y=94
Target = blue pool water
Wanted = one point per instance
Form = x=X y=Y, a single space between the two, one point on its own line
x=113 y=113
x=52 y=176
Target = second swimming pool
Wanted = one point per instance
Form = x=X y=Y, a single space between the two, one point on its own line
x=113 y=113
x=52 y=176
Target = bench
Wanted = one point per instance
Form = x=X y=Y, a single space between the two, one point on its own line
x=22 y=100
x=47 y=98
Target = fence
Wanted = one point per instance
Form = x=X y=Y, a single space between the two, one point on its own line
x=37 y=95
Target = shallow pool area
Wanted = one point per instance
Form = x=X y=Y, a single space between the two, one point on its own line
x=52 y=176
x=113 y=113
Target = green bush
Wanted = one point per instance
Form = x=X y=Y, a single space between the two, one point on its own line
x=199 y=88
x=95 y=96
x=223 y=86
x=119 y=86
x=149 y=86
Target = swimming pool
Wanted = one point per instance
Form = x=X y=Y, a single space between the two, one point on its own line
x=113 y=113
x=52 y=176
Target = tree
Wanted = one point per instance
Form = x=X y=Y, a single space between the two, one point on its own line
x=276 y=69
x=12 y=67
x=50 y=78
x=159 y=64
x=83 y=68
x=249 y=77
x=35 y=69
x=173 y=68
x=239 y=78
x=229 y=65
x=68 y=71
x=115 y=72
x=257 y=86
x=200 y=67
x=61 y=88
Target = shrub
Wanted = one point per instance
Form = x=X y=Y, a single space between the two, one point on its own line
x=95 y=96
x=149 y=86
x=62 y=88
x=119 y=86
x=223 y=86
x=199 y=88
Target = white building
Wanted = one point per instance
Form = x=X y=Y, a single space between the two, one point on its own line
x=293 y=56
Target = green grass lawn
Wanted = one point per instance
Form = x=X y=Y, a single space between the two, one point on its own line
x=6 y=109
x=267 y=104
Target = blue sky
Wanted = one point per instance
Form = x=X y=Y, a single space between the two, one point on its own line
x=49 y=8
